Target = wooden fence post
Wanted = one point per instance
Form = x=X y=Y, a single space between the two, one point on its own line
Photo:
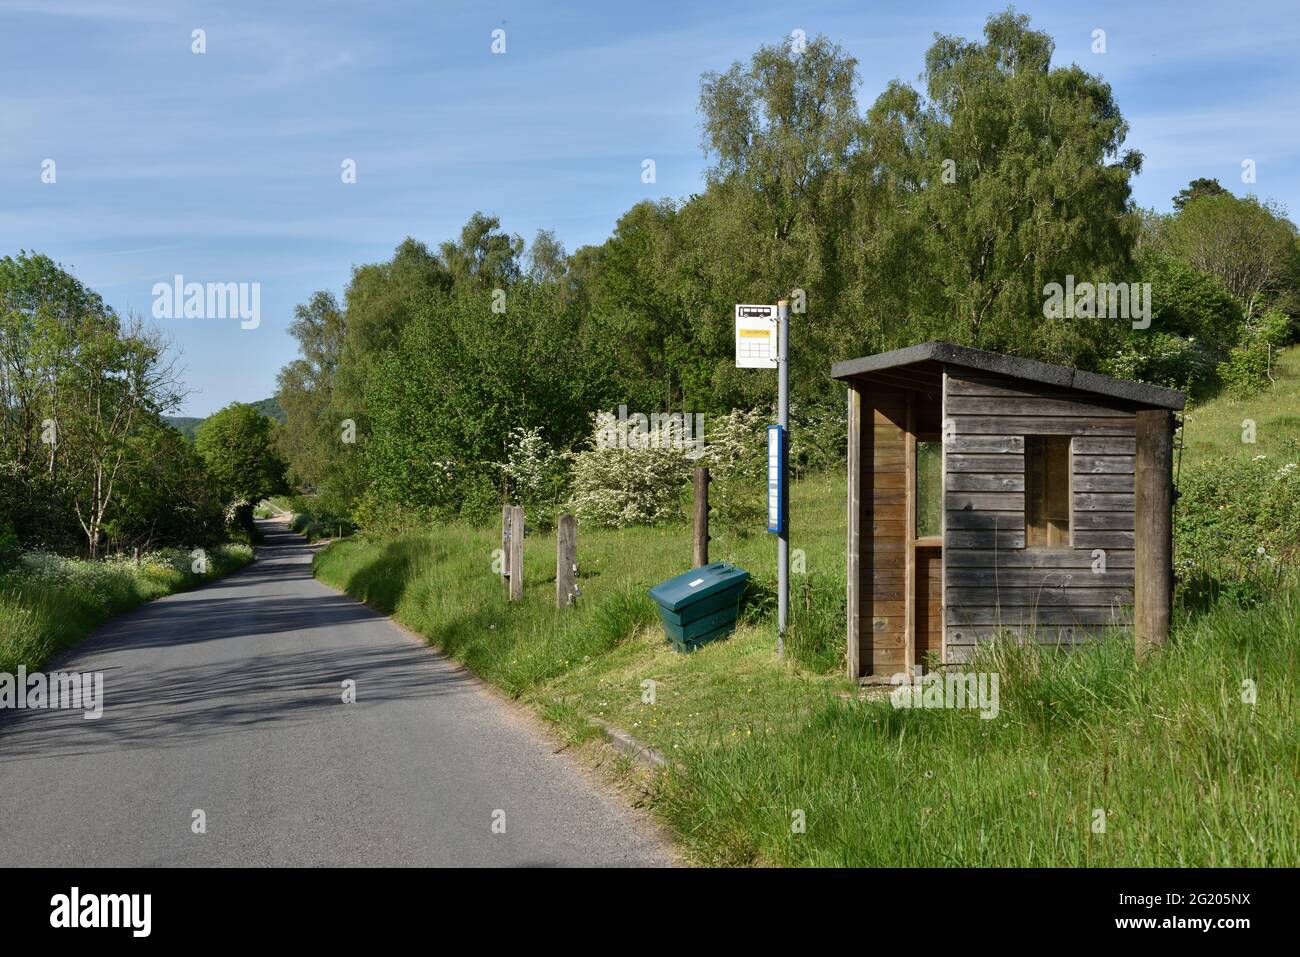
x=505 y=544
x=1153 y=529
x=516 y=552
x=701 y=517
x=566 y=561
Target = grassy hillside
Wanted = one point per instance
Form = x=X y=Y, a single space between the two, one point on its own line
x=1179 y=767
x=1214 y=430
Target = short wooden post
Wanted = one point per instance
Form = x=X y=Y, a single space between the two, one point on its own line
x=701 y=517
x=1153 y=529
x=566 y=561
x=516 y=552
x=505 y=544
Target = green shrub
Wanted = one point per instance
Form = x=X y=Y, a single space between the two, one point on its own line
x=480 y=500
x=319 y=516
x=1245 y=372
x=1163 y=358
x=1247 y=369
x=818 y=438
x=1237 y=522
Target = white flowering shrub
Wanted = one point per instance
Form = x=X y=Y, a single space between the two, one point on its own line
x=532 y=469
x=628 y=476
x=234 y=509
x=737 y=445
x=637 y=472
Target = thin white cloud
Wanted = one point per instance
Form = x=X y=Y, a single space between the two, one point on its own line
x=87 y=9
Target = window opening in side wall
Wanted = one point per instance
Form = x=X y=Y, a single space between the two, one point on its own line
x=1047 y=490
x=929 y=488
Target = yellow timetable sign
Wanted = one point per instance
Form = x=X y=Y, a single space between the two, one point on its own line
x=755 y=337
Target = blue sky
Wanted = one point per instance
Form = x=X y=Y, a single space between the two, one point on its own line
x=225 y=166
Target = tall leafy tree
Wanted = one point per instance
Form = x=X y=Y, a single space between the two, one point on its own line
x=781 y=131
x=784 y=127
x=546 y=258
x=338 y=345
x=75 y=385
x=167 y=496
x=1002 y=175
x=1197 y=188
x=310 y=442
x=1247 y=245
x=484 y=257
x=444 y=403
x=45 y=314
x=119 y=377
x=238 y=448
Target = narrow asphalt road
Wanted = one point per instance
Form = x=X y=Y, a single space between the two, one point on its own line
x=228 y=700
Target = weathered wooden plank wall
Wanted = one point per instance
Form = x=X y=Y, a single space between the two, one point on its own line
x=991 y=579
x=877 y=604
x=929 y=602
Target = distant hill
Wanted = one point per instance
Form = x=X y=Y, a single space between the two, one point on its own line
x=187 y=425
x=183 y=424
x=270 y=408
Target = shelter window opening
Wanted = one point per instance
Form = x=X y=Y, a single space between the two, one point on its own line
x=1047 y=490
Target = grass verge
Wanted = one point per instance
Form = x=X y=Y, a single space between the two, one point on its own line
x=1182 y=769
x=49 y=603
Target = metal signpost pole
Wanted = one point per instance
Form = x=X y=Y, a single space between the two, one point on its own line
x=783 y=420
x=763 y=342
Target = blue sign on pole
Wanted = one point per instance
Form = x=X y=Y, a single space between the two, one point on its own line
x=775 y=479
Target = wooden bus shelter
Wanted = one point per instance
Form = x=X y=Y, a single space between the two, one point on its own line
x=990 y=494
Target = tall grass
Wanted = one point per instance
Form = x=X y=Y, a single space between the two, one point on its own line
x=1169 y=754
x=48 y=603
